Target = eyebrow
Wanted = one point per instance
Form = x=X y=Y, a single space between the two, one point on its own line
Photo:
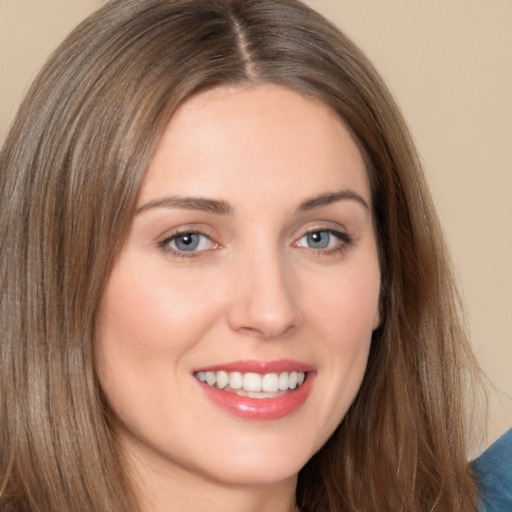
x=222 y=207
x=332 y=197
x=189 y=203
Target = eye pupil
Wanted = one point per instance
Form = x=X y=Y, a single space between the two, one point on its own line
x=187 y=242
x=318 y=239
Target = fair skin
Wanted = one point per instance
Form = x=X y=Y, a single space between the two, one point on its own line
x=252 y=250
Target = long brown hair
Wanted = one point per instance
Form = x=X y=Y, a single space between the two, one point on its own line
x=71 y=168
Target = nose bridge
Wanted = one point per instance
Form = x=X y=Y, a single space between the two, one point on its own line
x=264 y=303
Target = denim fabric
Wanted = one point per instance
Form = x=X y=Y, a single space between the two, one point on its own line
x=493 y=470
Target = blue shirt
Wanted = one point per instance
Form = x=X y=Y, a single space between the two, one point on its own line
x=493 y=470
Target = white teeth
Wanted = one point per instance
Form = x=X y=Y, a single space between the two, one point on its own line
x=211 y=378
x=283 y=381
x=270 y=382
x=252 y=382
x=235 y=380
x=222 y=379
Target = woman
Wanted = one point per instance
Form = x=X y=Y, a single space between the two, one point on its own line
x=223 y=280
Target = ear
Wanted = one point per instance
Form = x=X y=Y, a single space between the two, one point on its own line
x=377 y=320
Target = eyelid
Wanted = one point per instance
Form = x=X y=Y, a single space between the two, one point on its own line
x=164 y=243
x=345 y=240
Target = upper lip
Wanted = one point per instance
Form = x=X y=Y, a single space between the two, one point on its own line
x=258 y=366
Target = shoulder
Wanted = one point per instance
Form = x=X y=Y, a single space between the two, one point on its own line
x=493 y=471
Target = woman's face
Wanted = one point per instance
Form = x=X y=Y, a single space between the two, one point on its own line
x=234 y=330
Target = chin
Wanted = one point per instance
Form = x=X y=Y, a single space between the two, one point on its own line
x=262 y=472
x=261 y=466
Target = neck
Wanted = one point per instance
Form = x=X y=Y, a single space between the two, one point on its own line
x=264 y=499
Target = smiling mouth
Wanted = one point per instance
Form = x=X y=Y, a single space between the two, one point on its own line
x=253 y=385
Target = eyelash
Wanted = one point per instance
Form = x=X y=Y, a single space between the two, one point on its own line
x=345 y=242
x=164 y=245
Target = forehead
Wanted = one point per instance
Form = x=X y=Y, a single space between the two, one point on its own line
x=253 y=135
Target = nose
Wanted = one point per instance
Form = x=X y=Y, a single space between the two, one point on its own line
x=264 y=302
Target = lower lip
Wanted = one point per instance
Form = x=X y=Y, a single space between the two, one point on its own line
x=260 y=408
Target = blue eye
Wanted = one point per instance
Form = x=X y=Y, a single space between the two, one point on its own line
x=187 y=242
x=318 y=239
x=322 y=239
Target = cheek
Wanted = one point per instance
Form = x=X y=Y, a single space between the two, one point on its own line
x=346 y=314
x=348 y=320
x=348 y=303
x=144 y=311
x=145 y=326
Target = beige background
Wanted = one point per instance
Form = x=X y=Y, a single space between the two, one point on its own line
x=449 y=63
